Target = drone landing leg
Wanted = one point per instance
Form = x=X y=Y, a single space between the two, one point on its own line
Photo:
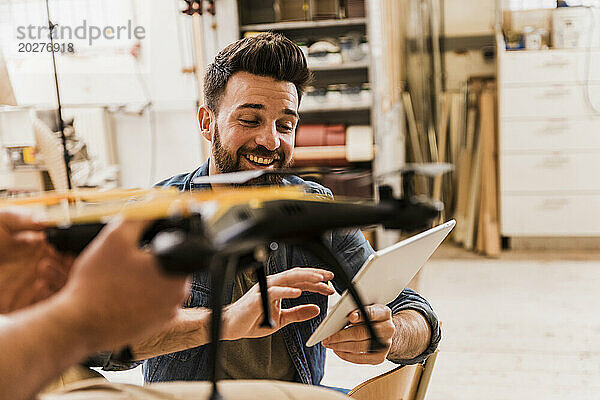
x=319 y=248
x=219 y=271
x=261 y=274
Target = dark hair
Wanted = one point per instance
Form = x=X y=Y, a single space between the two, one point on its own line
x=266 y=54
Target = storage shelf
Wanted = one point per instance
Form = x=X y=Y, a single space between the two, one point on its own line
x=340 y=67
x=294 y=25
x=335 y=107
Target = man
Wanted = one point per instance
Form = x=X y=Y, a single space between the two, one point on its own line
x=115 y=295
x=253 y=91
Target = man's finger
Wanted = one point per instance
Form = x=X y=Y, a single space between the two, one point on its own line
x=17 y=220
x=321 y=288
x=357 y=333
x=298 y=275
x=279 y=292
x=350 y=334
x=299 y=314
x=376 y=312
x=361 y=347
x=369 y=358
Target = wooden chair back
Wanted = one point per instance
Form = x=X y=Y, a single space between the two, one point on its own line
x=409 y=382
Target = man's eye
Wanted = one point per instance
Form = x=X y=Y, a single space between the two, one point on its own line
x=248 y=121
x=286 y=128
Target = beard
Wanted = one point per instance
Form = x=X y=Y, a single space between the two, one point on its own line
x=227 y=162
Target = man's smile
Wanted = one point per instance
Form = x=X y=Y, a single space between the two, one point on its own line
x=260 y=161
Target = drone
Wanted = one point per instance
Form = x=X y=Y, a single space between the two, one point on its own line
x=231 y=230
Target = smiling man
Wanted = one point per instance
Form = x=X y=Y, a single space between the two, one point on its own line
x=253 y=91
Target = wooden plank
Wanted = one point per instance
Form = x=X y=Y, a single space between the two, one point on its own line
x=473 y=201
x=474 y=186
x=488 y=241
x=432 y=141
x=464 y=168
x=415 y=146
x=441 y=151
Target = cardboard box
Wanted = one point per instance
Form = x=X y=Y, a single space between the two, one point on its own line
x=292 y=10
x=519 y=19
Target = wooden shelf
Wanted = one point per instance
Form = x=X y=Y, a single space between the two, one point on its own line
x=320 y=153
x=295 y=25
x=340 y=67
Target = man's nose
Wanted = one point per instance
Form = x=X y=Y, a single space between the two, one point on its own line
x=269 y=138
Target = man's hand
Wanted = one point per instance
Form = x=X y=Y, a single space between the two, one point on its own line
x=352 y=343
x=242 y=319
x=30 y=270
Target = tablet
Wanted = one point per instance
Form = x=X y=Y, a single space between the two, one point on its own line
x=383 y=276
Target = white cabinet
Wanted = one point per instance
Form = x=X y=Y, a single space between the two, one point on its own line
x=549 y=142
x=550 y=66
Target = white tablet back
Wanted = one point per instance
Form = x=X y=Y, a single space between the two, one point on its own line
x=383 y=276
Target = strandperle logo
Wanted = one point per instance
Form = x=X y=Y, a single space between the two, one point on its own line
x=84 y=31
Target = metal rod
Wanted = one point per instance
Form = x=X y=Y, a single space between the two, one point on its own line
x=261 y=274
x=219 y=268
x=61 y=122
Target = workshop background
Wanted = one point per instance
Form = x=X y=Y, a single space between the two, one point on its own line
x=508 y=91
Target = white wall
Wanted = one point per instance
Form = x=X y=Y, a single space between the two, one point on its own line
x=469 y=17
x=176 y=147
x=113 y=79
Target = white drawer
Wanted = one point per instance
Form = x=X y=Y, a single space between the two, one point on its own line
x=550 y=215
x=577 y=133
x=550 y=172
x=588 y=64
x=549 y=66
x=556 y=100
x=527 y=67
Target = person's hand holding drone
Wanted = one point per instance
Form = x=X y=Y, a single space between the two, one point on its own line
x=352 y=343
x=30 y=269
x=242 y=319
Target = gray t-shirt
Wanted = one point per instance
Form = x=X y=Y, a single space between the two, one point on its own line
x=259 y=358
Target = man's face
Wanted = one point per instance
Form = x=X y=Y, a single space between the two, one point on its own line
x=256 y=124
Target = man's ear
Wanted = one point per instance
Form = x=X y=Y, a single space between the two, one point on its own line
x=206 y=119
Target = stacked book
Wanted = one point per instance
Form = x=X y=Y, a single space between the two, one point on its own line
x=321 y=144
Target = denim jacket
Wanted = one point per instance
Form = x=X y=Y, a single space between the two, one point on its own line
x=350 y=246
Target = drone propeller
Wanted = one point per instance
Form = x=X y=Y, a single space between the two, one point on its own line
x=431 y=170
x=427 y=169
x=241 y=177
x=234 y=178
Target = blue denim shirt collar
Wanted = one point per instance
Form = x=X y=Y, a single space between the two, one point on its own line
x=202 y=171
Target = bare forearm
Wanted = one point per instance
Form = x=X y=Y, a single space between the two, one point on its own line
x=38 y=344
x=412 y=336
x=190 y=329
